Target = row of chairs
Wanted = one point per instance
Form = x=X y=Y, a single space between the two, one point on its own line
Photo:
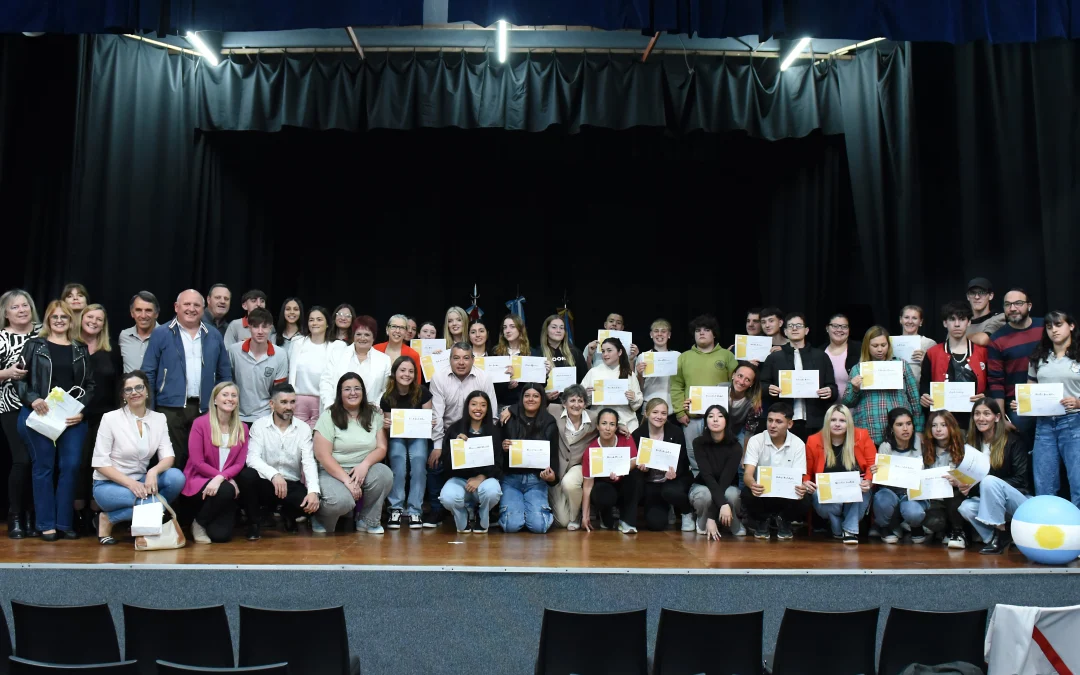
x=809 y=643
x=28 y=667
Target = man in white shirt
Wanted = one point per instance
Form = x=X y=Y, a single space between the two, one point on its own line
x=144 y=310
x=279 y=457
x=775 y=447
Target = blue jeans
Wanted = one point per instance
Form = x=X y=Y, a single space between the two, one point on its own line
x=435 y=481
x=843 y=517
x=416 y=449
x=885 y=506
x=997 y=501
x=524 y=504
x=1057 y=440
x=54 y=498
x=117 y=501
x=459 y=502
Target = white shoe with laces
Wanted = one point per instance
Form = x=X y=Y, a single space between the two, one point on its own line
x=688 y=522
x=626 y=529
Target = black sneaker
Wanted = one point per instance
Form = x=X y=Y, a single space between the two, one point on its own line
x=783 y=529
x=469 y=526
x=761 y=529
x=253 y=533
x=395 y=520
x=477 y=528
x=414 y=522
x=851 y=538
x=958 y=540
x=432 y=519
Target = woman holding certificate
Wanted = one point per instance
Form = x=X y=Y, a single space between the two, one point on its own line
x=873 y=395
x=715 y=500
x=555 y=346
x=525 y=482
x=943 y=447
x=841 y=472
x=512 y=342
x=667 y=484
x=471 y=492
x=911 y=321
x=993 y=500
x=611 y=487
x=900 y=441
x=403 y=392
x=478 y=338
x=842 y=352
x=576 y=433
x=623 y=395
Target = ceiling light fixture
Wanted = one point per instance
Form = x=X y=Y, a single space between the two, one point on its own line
x=795 y=51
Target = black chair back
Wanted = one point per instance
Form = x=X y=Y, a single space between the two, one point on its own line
x=826 y=643
x=931 y=638
x=5 y=645
x=21 y=666
x=198 y=636
x=166 y=668
x=323 y=651
x=592 y=643
x=88 y=633
x=688 y=643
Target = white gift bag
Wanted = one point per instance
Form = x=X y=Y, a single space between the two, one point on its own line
x=62 y=405
x=146 y=518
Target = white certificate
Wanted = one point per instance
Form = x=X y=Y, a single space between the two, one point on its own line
x=660 y=364
x=659 y=455
x=779 y=481
x=933 y=486
x=703 y=398
x=529 y=368
x=433 y=363
x=841 y=487
x=1040 y=400
x=610 y=392
x=410 y=423
x=561 y=377
x=973 y=468
x=799 y=384
x=606 y=461
x=625 y=337
x=903 y=346
x=753 y=347
x=530 y=454
x=473 y=453
x=882 y=374
x=494 y=366
x=952 y=396
x=897 y=471
x=428 y=346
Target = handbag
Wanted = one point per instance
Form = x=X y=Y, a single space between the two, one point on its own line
x=171 y=536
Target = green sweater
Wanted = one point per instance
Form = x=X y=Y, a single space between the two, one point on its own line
x=700 y=369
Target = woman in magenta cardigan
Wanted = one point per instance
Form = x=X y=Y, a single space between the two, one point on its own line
x=217 y=451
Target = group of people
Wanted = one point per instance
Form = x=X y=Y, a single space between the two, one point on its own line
x=294 y=417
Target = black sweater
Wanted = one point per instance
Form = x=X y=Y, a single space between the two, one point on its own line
x=559 y=359
x=717 y=465
x=812 y=359
x=673 y=433
x=489 y=429
x=521 y=428
x=1015 y=467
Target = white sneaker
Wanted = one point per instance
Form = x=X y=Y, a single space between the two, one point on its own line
x=627 y=529
x=688 y=522
x=573 y=525
x=317 y=527
x=371 y=529
x=198 y=533
x=892 y=537
x=740 y=532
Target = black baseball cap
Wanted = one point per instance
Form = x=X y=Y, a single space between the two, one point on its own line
x=981 y=282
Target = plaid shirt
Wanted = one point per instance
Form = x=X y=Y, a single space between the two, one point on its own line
x=871 y=408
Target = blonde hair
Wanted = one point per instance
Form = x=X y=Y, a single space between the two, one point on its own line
x=503 y=348
x=464 y=326
x=660 y=323
x=565 y=345
x=103 y=342
x=1001 y=432
x=236 y=429
x=7 y=298
x=848 y=458
x=73 y=328
x=875 y=332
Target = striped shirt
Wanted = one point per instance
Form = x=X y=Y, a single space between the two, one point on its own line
x=1008 y=357
x=11 y=345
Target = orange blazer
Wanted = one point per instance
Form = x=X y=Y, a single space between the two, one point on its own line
x=865 y=453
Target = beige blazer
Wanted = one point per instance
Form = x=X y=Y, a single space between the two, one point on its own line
x=118 y=446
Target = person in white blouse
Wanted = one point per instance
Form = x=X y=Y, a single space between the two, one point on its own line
x=280 y=456
x=127 y=439
x=361 y=358
x=911 y=319
x=307 y=361
x=615 y=366
x=656 y=387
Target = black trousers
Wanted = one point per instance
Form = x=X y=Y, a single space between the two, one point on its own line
x=760 y=508
x=216 y=514
x=179 y=421
x=19 y=477
x=257 y=493
x=626 y=493
x=85 y=483
x=659 y=496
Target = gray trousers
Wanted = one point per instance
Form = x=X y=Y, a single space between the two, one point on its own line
x=701 y=499
x=336 y=500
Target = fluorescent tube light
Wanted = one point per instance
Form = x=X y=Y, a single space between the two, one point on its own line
x=201 y=47
x=795 y=51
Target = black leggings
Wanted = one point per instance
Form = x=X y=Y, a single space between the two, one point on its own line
x=19 y=478
x=626 y=493
x=659 y=496
x=216 y=514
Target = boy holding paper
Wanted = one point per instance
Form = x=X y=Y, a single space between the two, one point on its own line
x=776 y=447
x=706 y=364
x=656 y=386
x=955 y=360
x=841 y=472
x=809 y=413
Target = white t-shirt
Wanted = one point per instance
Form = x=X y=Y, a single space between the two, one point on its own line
x=760 y=451
x=656 y=387
x=223 y=456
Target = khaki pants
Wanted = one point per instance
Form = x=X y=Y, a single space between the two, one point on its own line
x=565 y=497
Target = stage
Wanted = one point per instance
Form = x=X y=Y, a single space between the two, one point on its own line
x=491 y=589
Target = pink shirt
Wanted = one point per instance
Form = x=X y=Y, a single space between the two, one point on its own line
x=839 y=366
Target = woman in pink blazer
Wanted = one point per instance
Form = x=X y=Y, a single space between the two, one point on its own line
x=217 y=451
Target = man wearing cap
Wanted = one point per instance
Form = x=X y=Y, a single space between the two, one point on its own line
x=980 y=293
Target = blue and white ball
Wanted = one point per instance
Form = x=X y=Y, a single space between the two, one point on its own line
x=1046 y=529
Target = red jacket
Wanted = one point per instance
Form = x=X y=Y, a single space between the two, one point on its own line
x=865 y=453
x=938 y=360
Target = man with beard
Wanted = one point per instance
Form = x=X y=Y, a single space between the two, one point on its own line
x=1009 y=350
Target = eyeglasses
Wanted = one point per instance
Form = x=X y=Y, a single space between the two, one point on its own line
x=352 y=390
x=343 y=315
x=59 y=317
x=137 y=389
x=836 y=326
x=1018 y=304
x=796 y=326
x=978 y=294
x=393 y=327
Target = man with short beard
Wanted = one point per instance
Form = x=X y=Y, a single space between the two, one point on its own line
x=1008 y=355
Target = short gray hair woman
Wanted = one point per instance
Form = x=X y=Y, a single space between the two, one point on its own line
x=576 y=431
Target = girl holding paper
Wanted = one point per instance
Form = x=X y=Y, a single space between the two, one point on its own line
x=611 y=489
x=615 y=366
x=307 y=360
x=992 y=501
x=478 y=338
x=744 y=397
x=513 y=341
x=428 y=331
x=943 y=447
x=455 y=326
x=900 y=440
x=556 y=347
x=911 y=320
x=403 y=391
x=470 y=494
x=665 y=489
x=715 y=500
x=849 y=449
x=870 y=408
x=525 y=490
x=842 y=352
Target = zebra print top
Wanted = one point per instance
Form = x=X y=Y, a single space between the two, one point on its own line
x=11 y=345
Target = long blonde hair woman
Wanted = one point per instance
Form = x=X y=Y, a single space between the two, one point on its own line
x=856 y=452
x=847 y=454
x=233 y=431
x=456 y=326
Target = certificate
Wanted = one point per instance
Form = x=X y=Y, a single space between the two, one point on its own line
x=660 y=364
x=433 y=363
x=428 y=346
x=799 y=384
x=973 y=468
x=753 y=347
x=842 y=487
x=529 y=368
x=1040 y=400
x=702 y=398
x=882 y=374
x=952 y=396
x=410 y=423
x=779 y=481
x=933 y=486
x=897 y=471
x=625 y=337
x=659 y=455
x=610 y=391
x=471 y=454
x=530 y=454
x=903 y=346
x=561 y=377
x=494 y=366
x=606 y=461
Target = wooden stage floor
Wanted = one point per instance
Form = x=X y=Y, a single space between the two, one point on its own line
x=559 y=549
